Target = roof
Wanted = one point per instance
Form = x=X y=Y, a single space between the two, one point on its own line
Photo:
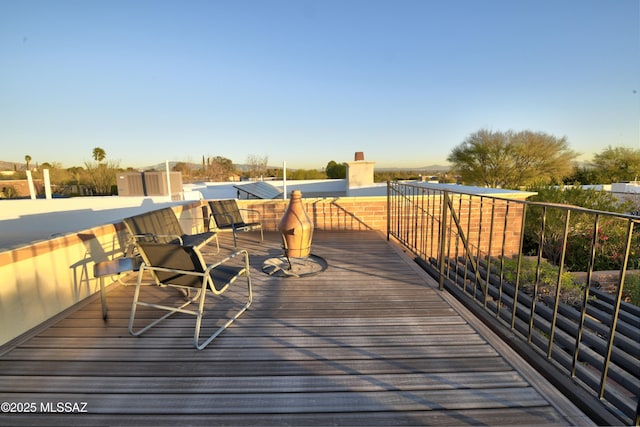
x=479 y=191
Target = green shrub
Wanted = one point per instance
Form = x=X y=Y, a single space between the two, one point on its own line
x=610 y=246
x=610 y=236
x=571 y=291
x=632 y=288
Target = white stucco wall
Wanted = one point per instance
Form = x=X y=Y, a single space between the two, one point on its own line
x=42 y=279
x=26 y=221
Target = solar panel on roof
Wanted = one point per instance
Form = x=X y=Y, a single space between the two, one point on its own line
x=260 y=189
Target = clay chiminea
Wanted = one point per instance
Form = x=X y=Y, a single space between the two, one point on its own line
x=296 y=228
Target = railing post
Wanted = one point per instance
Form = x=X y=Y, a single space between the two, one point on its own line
x=443 y=235
x=516 y=290
x=486 y=287
x=616 y=309
x=532 y=314
x=585 y=297
x=556 y=303
x=388 y=210
x=504 y=241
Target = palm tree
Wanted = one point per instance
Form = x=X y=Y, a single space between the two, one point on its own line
x=99 y=154
x=27 y=159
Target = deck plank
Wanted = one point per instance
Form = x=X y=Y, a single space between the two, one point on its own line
x=305 y=402
x=537 y=416
x=263 y=384
x=367 y=342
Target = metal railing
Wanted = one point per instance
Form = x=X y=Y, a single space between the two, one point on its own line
x=476 y=246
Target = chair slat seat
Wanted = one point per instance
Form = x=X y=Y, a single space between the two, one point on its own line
x=225 y=274
x=197 y=240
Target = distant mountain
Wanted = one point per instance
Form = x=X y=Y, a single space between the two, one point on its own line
x=6 y=166
x=162 y=166
x=430 y=168
x=437 y=167
x=194 y=166
x=9 y=166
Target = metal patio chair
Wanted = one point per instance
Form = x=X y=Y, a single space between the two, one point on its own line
x=227 y=216
x=183 y=267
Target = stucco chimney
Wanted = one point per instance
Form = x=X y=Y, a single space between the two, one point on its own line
x=359 y=172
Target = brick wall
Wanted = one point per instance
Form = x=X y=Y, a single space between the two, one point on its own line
x=485 y=224
x=340 y=213
x=474 y=214
x=22 y=186
x=489 y=224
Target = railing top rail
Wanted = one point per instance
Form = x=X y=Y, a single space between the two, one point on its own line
x=573 y=208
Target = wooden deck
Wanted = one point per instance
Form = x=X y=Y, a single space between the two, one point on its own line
x=369 y=341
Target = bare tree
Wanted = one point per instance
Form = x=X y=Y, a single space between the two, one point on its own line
x=102 y=177
x=217 y=168
x=185 y=169
x=257 y=165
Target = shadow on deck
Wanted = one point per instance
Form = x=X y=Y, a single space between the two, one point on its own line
x=369 y=341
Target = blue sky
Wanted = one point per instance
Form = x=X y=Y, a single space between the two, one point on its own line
x=307 y=82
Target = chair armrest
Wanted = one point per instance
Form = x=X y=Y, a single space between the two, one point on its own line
x=229 y=257
x=171 y=270
x=116 y=266
x=154 y=237
x=255 y=211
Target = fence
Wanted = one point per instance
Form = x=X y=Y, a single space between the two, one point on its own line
x=585 y=340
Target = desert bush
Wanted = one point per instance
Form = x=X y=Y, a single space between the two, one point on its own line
x=9 y=192
x=571 y=291
x=610 y=235
x=632 y=288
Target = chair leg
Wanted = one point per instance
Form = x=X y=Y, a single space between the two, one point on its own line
x=217 y=246
x=200 y=297
x=103 y=299
x=196 y=337
x=170 y=310
x=196 y=332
